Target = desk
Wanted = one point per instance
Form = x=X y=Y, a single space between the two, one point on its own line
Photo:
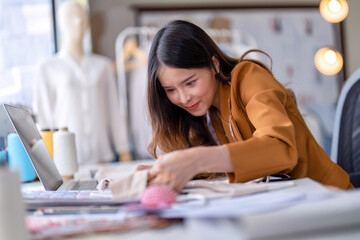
x=337 y=217
x=334 y=218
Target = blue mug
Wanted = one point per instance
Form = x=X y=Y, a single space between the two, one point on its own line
x=18 y=158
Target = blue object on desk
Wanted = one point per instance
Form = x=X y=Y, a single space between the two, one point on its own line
x=3 y=155
x=18 y=158
x=2 y=143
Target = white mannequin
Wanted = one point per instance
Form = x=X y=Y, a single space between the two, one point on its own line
x=78 y=91
x=73 y=23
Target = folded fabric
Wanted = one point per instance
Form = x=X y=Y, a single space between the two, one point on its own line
x=205 y=189
x=126 y=184
x=113 y=172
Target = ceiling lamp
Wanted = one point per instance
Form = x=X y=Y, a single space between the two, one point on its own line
x=334 y=11
x=328 y=61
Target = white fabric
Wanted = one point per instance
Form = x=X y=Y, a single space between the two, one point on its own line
x=125 y=183
x=84 y=99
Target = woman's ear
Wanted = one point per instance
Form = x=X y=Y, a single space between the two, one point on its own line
x=216 y=64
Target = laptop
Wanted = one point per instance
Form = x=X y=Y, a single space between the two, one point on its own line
x=56 y=188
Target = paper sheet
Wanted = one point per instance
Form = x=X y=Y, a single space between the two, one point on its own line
x=233 y=207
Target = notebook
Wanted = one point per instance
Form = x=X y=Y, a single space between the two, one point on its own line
x=58 y=192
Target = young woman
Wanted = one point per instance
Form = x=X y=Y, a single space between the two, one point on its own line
x=212 y=113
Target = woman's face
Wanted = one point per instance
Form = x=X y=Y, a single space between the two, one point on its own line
x=193 y=90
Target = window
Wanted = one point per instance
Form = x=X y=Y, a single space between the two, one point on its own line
x=26 y=37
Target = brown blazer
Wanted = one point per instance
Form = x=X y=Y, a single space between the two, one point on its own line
x=271 y=135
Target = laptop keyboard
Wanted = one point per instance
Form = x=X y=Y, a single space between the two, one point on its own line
x=83 y=185
x=63 y=195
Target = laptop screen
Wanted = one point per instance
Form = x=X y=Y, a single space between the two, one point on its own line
x=27 y=131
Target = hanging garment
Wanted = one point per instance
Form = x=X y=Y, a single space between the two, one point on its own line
x=139 y=122
x=84 y=99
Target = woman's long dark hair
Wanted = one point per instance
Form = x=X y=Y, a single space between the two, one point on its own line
x=181 y=44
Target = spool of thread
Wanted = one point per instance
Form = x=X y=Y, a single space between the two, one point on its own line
x=12 y=217
x=18 y=158
x=47 y=136
x=65 y=153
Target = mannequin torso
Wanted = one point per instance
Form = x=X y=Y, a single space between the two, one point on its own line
x=78 y=91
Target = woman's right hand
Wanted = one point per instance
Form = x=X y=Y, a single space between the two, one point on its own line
x=142 y=167
x=176 y=168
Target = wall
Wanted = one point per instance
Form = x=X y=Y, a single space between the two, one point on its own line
x=109 y=17
x=352 y=37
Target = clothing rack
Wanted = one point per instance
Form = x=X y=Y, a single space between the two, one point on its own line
x=141 y=33
x=120 y=64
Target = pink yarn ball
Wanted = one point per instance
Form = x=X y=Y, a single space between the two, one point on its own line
x=158 y=196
